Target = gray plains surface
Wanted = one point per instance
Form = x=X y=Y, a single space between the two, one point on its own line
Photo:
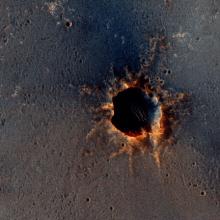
x=44 y=120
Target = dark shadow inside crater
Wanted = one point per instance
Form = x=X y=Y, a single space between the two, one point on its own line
x=134 y=111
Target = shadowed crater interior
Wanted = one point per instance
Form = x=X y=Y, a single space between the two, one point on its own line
x=134 y=111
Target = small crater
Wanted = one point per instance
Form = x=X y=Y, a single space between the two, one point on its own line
x=68 y=24
x=143 y=60
x=161 y=82
x=88 y=199
x=203 y=193
x=27 y=22
x=111 y=208
x=194 y=164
